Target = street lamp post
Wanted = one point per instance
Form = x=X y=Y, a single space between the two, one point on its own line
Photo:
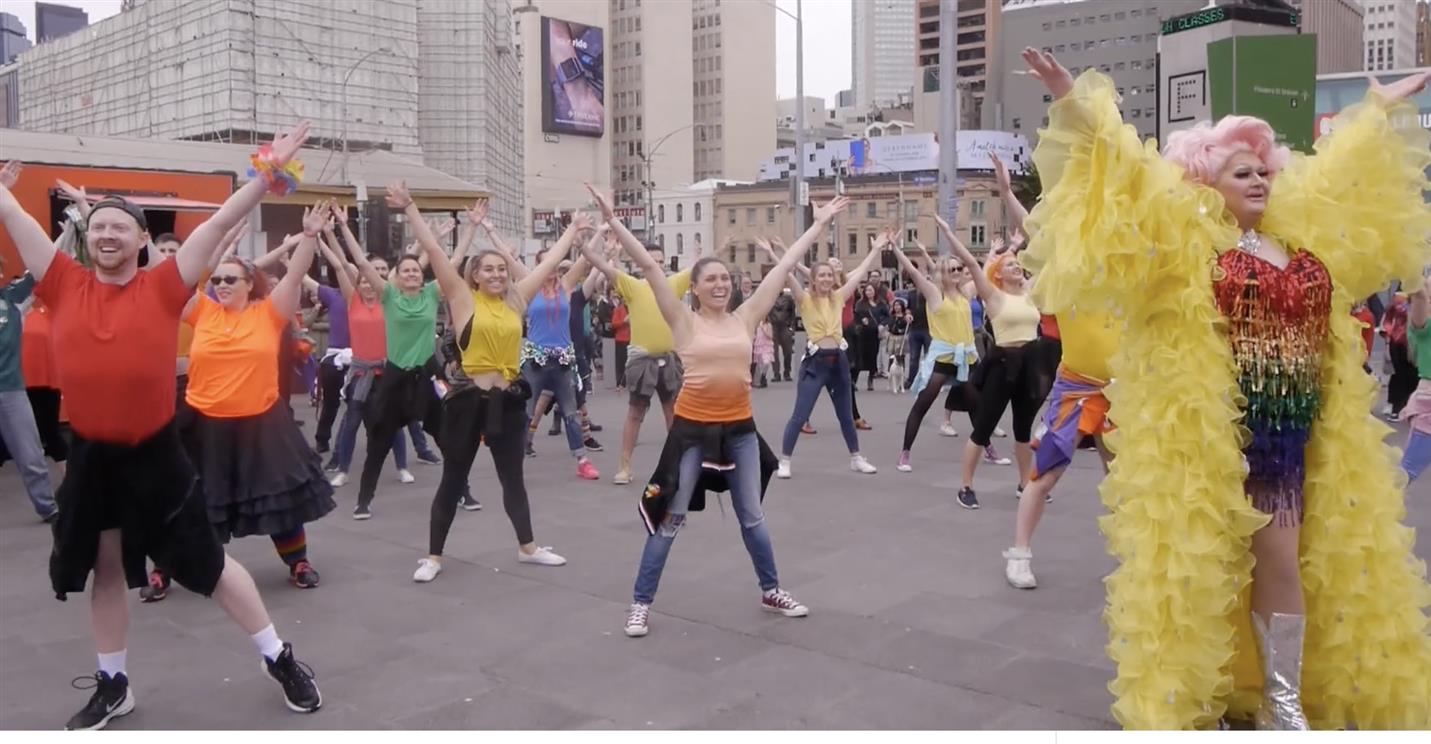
x=797 y=176
x=650 y=183
x=362 y=206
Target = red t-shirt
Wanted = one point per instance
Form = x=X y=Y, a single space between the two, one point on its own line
x=366 y=330
x=117 y=348
x=621 y=324
x=1368 y=327
x=37 y=354
x=1048 y=327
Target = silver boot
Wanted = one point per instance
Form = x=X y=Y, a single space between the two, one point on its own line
x=1281 y=643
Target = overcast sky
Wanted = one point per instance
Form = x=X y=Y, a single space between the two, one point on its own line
x=827 y=40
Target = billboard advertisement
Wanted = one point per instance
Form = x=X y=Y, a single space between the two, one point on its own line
x=906 y=153
x=573 y=78
x=1273 y=78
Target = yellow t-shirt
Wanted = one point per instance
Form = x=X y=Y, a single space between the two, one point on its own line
x=822 y=317
x=496 y=341
x=1089 y=340
x=952 y=323
x=648 y=329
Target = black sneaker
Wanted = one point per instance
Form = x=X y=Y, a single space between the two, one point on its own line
x=967 y=499
x=111 y=699
x=362 y=511
x=158 y=587
x=321 y=448
x=303 y=575
x=470 y=504
x=531 y=452
x=593 y=445
x=429 y=457
x=595 y=427
x=300 y=693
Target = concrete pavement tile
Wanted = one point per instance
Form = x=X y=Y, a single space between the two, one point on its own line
x=1030 y=718
x=1053 y=684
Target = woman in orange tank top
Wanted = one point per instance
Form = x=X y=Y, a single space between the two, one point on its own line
x=712 y=443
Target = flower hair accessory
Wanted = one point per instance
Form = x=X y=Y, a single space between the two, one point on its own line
x=282 y=180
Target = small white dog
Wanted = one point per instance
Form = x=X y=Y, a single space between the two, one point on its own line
x=896 y=374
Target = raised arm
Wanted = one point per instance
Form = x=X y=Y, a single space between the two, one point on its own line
x=31 y=240
x=356 y=251
x=280 y=254
x=289 y=290
x=676 y=315
x=932 y=295
x=226 y=246
x=604 y=261
x=515 y=267
x=334 y=257
x=1015 y=208
x=76 y=195
x=531 y=283
x=1421 y=305
x=581 y=268
x=758 y=304
x=454 y=289
x=880 y=242
x=194 y=254
x=440 y=235
x=986 y=289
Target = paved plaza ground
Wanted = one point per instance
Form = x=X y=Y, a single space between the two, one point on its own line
x=911 y=624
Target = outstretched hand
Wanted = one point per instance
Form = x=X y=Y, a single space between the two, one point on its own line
x=10 y=174
x=287 y=144
x=581 y=221
x=602 y=203
x=1403 y=88
x=477 y=213
x=1044 y=67
x=830 y=209
x=1001 y=174
x=398 y=197
x=317 y=218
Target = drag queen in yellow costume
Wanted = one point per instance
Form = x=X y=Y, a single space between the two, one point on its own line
x=1245 y=433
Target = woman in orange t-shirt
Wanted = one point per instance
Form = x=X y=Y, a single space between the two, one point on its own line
x=258 y=473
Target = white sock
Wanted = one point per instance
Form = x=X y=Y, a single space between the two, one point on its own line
x=113 y=664
x=268 y=643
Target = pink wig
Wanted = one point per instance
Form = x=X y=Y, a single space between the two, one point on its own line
x=1203 y=150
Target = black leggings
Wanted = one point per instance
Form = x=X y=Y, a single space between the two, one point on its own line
x=1009 y=376
x=962 y=397
x=398 y=398
x=621 y=350
x=468 y=417
x=330 y=381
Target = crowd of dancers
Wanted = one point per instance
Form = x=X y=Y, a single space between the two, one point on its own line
x=1197 y=328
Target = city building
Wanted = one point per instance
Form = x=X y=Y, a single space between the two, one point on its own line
x=820 y=123
x=1339 y=29
x=1390 y=34
x=845 y=98
x=56 y=21
x=689 y=121
x=684 y=221
x=433 y=81
x=1423 y=33
x=13 y=40
x=761 y=210
x=1117 y=37
x=558 y=162
x=10 y=96
x=882 y=51
x=976 y=49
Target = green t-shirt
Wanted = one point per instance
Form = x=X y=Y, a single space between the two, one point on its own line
x=411 y=325
x=1420 y=340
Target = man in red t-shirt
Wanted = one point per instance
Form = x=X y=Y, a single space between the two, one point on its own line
x=130 y=491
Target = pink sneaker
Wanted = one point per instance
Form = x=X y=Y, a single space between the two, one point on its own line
x=587 y=471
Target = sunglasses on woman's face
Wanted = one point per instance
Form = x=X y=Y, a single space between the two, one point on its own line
x=229 y=279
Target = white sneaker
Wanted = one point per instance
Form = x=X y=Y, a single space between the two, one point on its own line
x=783 y=471
x=859 y=464
x=622 y=477
x=338 y=480
x=1000 y=433
x=427 y=570
x=638 y=620
x=542 y=557
x=992 y=456
x=1017 y=571
x=947 y=429
x=405 y=476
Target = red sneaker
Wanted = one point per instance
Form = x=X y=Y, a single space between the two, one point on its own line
x=158 y=587
x=587 y=471
x=302 y=575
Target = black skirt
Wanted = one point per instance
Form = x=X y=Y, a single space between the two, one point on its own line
x=45 y=402
x=258 y=474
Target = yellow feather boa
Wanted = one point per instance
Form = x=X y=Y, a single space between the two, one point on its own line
x=1121 y=230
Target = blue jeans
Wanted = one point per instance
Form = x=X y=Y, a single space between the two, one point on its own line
x=419 y=441
x=22 y=439
x=1417 y=455
x=828 y=369
x=744 y=483
x=348 y=439
x=917 y=345
x=561 y=383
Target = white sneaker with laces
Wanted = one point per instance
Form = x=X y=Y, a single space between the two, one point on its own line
x=638 y=620
x=859 y=464
x=338 y=480
x=1000 y=433
x=991 y=456
x=406 y=476
x=427 y=570
x=783 y=471
x=947 y=429
x=541 y=557
x=1017 y=570
x=779 y=600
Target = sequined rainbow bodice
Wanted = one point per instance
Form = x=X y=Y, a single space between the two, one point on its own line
x=1277 y=325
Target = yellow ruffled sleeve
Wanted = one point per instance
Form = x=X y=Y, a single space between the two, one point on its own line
x=1359 y=202
x=1114 y=213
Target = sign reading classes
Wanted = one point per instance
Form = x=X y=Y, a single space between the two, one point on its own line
x=573 y=78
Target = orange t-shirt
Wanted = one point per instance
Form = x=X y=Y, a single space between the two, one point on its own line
x=37 y=354
x=716 y=359
x=119 y=343
x=233 y=364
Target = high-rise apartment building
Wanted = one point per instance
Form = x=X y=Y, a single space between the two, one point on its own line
x=1116 y=37
x=54 y=21
x=12 y=38
x=434 y=80
x=976 y=48
x=1423 y=33
x=1339 y=29
x=692 y=86
x=1390 y=34
x=882 y=51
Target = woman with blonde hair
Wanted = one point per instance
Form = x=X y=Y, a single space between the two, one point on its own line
x=1249 y=472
